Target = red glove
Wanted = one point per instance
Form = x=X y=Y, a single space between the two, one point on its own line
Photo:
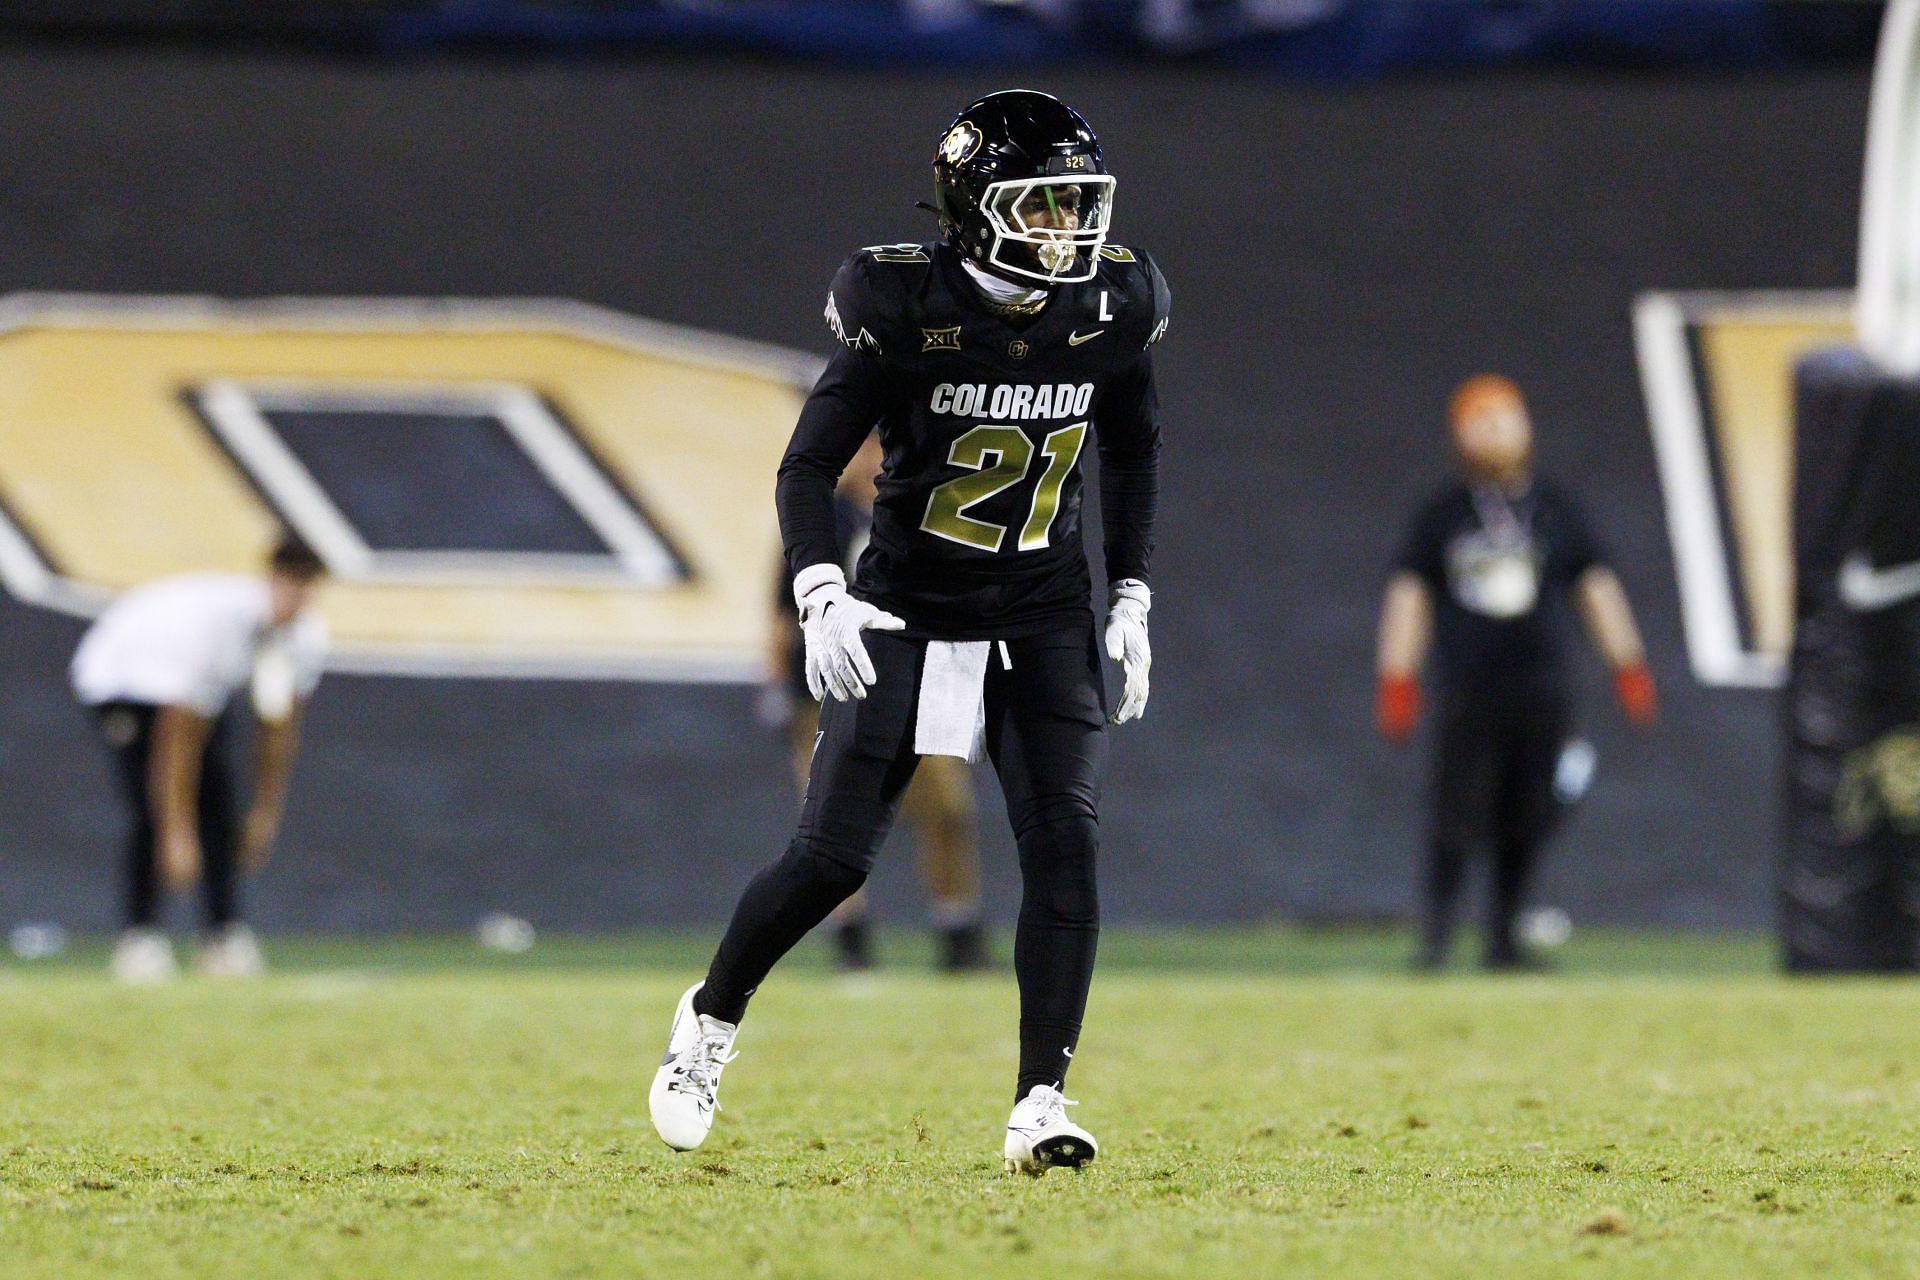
x=1397 y=709
x=1633 y=687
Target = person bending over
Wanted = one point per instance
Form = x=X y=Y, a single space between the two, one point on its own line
x=160 y=672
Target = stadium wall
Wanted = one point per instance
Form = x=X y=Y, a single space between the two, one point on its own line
x=1339 y=260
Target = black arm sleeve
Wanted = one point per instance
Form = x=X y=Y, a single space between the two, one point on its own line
x=1422 y=552
x=844 y=406
x=1129 y=436
x=1582 y=548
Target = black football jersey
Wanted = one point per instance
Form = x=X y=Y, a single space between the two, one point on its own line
x=985 y=421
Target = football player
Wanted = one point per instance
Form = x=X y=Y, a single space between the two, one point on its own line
x=989 y=359
x=1485 y=577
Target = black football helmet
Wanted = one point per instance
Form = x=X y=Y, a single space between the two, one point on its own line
x=1021 y=189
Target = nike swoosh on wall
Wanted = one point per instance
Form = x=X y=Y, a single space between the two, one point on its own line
x=1864 y=588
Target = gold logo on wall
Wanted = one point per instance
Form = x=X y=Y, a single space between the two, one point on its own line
x=1717 y=370
x=512 y=488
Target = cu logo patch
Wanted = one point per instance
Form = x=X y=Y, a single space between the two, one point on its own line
x=499 y=488
x=1881 y=783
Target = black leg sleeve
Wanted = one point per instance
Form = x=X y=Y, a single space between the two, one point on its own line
x=220 y=827
x=1046 y=735
x=1446 y=871
x=1054 y=946
x=1526 y=814
x=782 y=904
x=127 y=729
x=1461 y=796
x=1513 y=861
x=861 y=763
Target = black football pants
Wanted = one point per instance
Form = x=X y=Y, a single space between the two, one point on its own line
x=1495 y=757
x=127 y=729
x=1046 y=736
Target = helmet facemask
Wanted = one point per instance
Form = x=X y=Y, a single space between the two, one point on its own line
x=1048 y=229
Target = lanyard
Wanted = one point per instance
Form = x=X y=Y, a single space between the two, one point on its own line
x=1507 y=522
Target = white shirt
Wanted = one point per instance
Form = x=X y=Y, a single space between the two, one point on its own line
x=191 y=642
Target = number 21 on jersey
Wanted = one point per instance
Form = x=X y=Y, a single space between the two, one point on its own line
x=998 y=458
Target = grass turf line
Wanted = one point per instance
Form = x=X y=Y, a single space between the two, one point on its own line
x=427 y=1122
x=1255 y=948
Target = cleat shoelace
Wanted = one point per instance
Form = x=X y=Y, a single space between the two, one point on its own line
x=700 y=1075
x=1054 y=1106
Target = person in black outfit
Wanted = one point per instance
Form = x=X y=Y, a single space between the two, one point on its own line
x=990 y=360
x=1486 y=574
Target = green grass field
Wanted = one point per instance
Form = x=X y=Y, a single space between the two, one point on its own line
x=1270 y=1103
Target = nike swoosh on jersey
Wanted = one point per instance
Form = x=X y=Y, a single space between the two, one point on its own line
x=1075 y=339
x=1865 y=589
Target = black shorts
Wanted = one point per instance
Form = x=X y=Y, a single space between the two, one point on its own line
x=1494 y=763
x=1046 y=722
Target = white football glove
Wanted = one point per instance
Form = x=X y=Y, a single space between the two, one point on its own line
x=1127 y=603
x=832 y=621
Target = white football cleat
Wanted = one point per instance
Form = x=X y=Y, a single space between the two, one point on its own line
x=686 y=1088
x=232 y=952
x=143 y=957
x=1040 y=1137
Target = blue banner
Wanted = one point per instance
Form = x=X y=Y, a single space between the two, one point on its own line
x=1313 y=38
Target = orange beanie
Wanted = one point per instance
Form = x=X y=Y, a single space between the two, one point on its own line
x=1486 y=391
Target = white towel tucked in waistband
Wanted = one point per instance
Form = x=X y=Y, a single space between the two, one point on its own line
x=952 y=716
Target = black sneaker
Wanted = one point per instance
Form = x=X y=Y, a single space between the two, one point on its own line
x=963 y=949
x=1436 y=945
x=1515 y=960
x=853 y=947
